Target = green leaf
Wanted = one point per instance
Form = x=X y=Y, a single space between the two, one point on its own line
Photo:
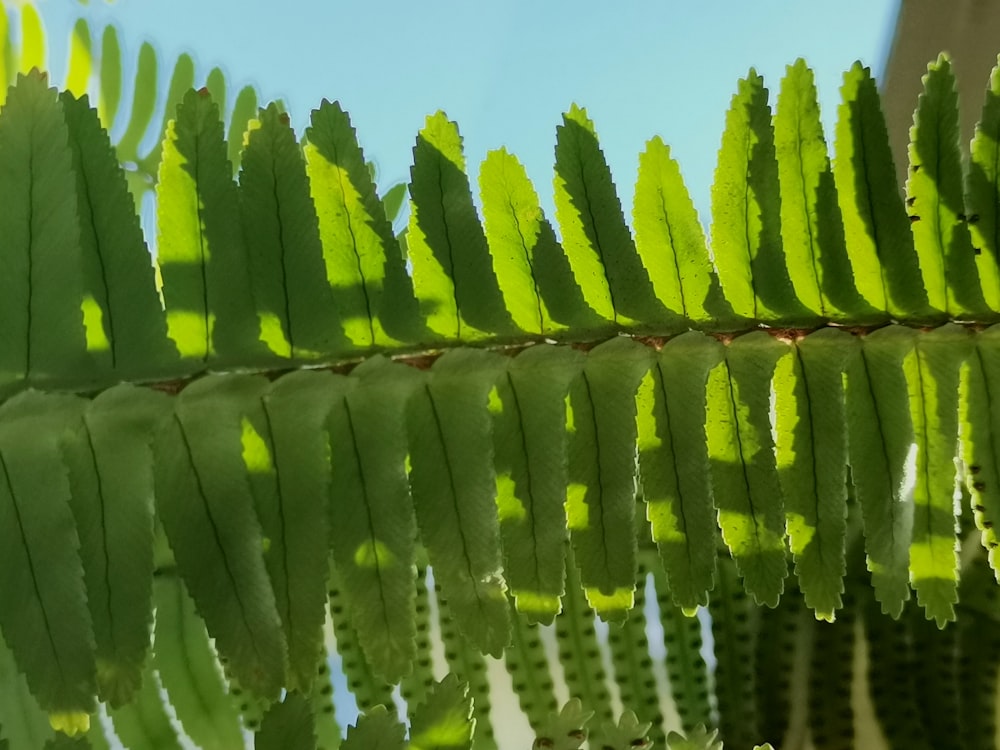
x=879 y=241
x=982 y=193
x=294 y=301
x=186 y=665
x=203 y=500
x=216 y=85
x=697 y=739
x=674 y=465
x=934 y=377
x=935 y=199
x=452 y=269
x=742 y=463
x=62 y=742
x=465 y=663
x=144 y=722
x=244 y=111
x=879 y=439
x=286 y=452
x=43 y=609
x=80 y=63
x=812 y=462
x=627 y=733
x=180 y=87
x=200 y=252
x=287 y=725
x=110 y=91
x=444 y=721
x=42 y=337
x=454 y=488
x=376 y=730
x=144 y=96
x=6 y=55
x=812 y=230
x=372 y=518
x=110 y=466
x=328 y=731
x=126 y=329
x=597 y=240
x=529 y=437
x=393 y=201
x=515 y=234
x=746 y=212
x=364 y=265
x=601 y=497
x=670 y=240
x=831 y=673
x=979 y=411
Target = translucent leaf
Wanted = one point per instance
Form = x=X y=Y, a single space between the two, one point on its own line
x=200 y=251
x=879 y=242
x=812 y=462
x=443 y=721
x=244 y=110
x=628 y=733
x=32 y=40
x=812 y=230
x=670 y=240
x=454 y=488
x=283 y=246
x=597 y=240
x=601 y=498
x=529 y=426
x=979 y=411
x=452 y=269
x=144 y=95
x=25 y=724
x=203 y=500
x=144 y=722
x=935 y=200
x=564 y=730
x=364 y=265
x=934 y=374
x=674 y=465
x=982 y=193
x=879 y=439
x=372 y=518
x=516 y=231
x=43 y=609
x=43 y=335
x=746 y=212
x=741 y=455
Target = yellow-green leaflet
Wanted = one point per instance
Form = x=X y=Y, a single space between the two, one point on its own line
x=452 y=271
x=364 y=264
x=670 y=240
x=812 y=231
x=979 y=411
x=371 y=514
x=598 y=243
x=601 y=495
x=453 y=485
x=674 y=466
x=200 y=250
x=529 y=437
x=746 y=214
x=295 y=304
x=741 y=455
x=982 y=193
x=877 y=231
x=935 y=199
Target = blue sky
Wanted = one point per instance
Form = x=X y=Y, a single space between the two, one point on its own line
x=507 y=70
